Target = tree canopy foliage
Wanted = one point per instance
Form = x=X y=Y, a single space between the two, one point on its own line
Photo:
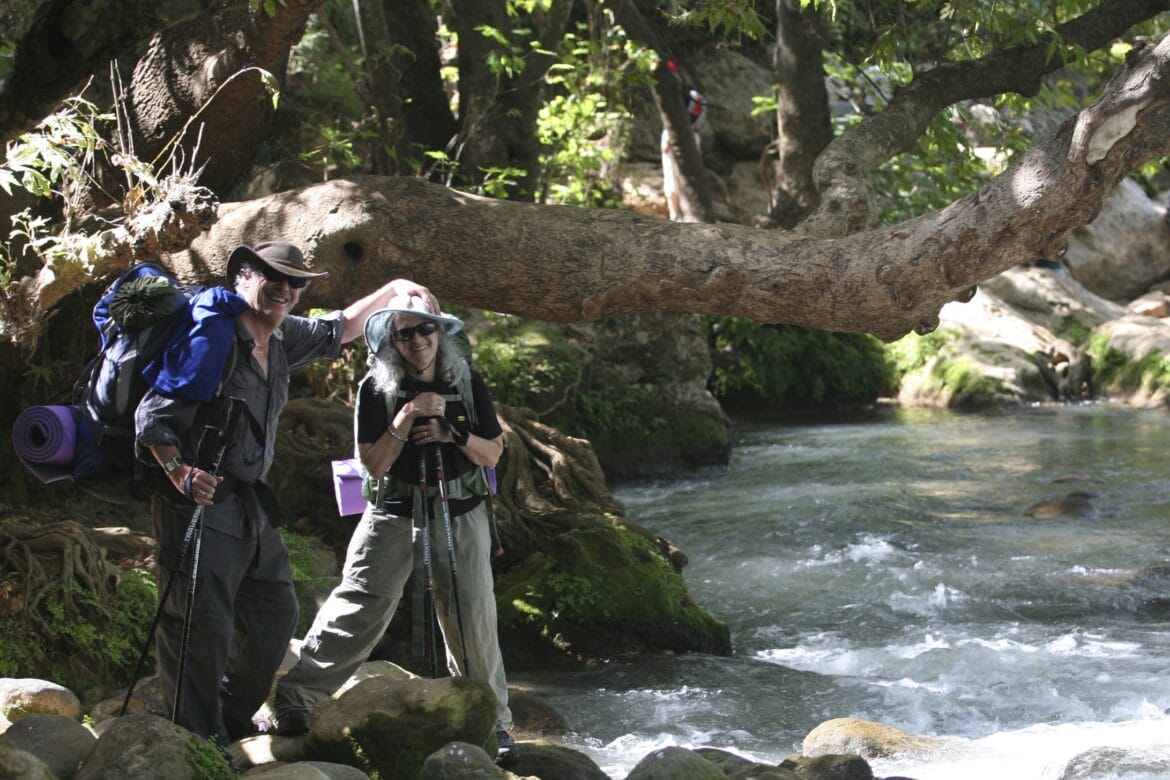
x=926 y=184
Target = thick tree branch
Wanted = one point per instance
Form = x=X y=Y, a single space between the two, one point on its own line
x=840 y=171
x=566 y=264
x=182 y=212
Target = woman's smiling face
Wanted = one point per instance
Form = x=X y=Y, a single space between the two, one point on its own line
x=418 y=350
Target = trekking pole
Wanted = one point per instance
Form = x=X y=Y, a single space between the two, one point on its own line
x=489 y=475
x=429 y=597
x=194 y=531
x=190 y=532
x=440 y=477
x=197 y=519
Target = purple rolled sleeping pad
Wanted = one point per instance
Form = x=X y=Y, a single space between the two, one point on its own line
x=45 y=440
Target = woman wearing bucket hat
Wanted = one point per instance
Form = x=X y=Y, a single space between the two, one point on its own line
x=221 y=651
x=423 y=444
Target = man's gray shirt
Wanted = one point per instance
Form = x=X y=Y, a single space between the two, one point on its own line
x=163 y=420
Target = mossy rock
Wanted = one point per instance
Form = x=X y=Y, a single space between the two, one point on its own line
x=954 y=371
x=1129 y=361
x=390 y=726
x=598 y=592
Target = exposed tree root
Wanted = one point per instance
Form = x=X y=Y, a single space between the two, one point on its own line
x=39 y=557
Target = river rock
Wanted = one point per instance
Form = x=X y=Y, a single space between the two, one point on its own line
x=864 y=738
x=459 y=759
x=829 y=767
x=549 y=760
x=1119 y=763
x=17 y=764
x=1076 y=504
x=531 y=715
x=675 y=763
x=1152 y=304
x=392 y=726
x=147 y=747
x=307 y=770
x=60 y=742
x=1020 y=339
x=1138 y=337
x=23 y=697
x=736 y=766
x=147 y=698
x=263 y=750
x=1124 y=250
x=372 y=669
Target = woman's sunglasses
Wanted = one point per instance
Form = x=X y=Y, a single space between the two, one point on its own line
x=272 y=275
x=406 y=334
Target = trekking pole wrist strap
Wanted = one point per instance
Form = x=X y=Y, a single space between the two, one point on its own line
x=188 y=483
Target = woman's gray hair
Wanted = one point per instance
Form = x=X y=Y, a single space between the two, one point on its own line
x=388 y=368
x=248 y=269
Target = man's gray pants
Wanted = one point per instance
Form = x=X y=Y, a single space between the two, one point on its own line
x=378 y=565
x=243 y=615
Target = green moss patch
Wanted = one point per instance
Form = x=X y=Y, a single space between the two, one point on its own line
x=80 y=643
x=605 y=590
x=1116 y=372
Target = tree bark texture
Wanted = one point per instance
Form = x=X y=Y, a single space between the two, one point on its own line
x=62 y=42
x=803 y=125
x=565 y=264
x=427 y=119
x=210 y=58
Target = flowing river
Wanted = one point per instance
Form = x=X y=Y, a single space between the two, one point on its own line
x=882 y=567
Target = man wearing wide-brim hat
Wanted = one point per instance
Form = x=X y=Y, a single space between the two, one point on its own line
x=278 y=256
x=245 y=609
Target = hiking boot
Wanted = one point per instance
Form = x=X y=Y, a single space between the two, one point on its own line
x=293 y=723
x=506 y=750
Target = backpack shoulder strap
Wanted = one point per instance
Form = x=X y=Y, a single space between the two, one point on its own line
x=466 y=394
x=229 y=366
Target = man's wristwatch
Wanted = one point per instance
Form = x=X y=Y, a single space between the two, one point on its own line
x=172 y=464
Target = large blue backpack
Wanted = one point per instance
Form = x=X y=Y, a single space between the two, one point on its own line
x=137 y=317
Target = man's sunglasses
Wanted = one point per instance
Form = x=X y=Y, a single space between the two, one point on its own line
x=406 y=334
x=272 y=275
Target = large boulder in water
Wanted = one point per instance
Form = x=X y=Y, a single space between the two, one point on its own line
x=600 y=591
x=864 y=738
x=675 y=763
x=549 y=760
x=1119 y=762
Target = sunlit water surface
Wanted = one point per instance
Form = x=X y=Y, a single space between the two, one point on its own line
x=883 y=568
